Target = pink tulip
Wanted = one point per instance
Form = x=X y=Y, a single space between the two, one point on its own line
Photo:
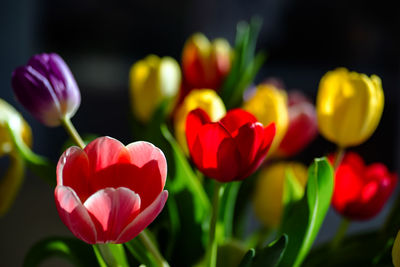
x=109 y=193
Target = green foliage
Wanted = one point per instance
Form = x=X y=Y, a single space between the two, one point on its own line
x=71 y=249
x=245 y=64
x=305 y=218
x=269 y=256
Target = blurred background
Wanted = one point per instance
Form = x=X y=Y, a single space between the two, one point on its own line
x=100 y=40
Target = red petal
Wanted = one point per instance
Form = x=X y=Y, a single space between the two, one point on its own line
x=348 y=187
x=236 y=118
x=249 y=139
x=112 y=210
x=146 y=217
x=269 y=134
x=74 y=215
x=194 y=121
x=73 y=171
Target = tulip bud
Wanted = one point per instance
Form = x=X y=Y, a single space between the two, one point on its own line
x=302 y=125
x=205 y=64
x=396 y=251
x=269 y=190
x=153 y=80
x=205 y=99
x=47 y=89
x=361 y=191
x=11 y=120
x=269 y=104
x=349 y=106
x=230 y=149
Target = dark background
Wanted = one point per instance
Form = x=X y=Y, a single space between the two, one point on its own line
x=101 y=39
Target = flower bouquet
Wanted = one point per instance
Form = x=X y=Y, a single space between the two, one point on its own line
x=211 y=153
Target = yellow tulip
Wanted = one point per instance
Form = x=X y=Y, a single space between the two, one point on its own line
x=349 y=106
x=205 y=64
x=268 y=197
x=206 y=99
x=153 y=80
x=269 y=104
x=396 y=251
x=11 y=120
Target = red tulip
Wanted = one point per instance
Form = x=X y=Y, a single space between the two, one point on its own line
x=302 y=125
x=230 y=149
x=361 y=191
x=109 y=193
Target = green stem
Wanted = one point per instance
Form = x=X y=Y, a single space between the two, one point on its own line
x=106 y=255
x=69 y=127
x=151 y=247
x=212 y=241
x=341 y=232
x=339 y=157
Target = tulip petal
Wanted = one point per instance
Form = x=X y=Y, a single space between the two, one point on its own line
x=269 y=134
x=104 y=152
x=194 y=121
x=149 y=179
x=111 y=211
x=236 y=118
x=74 y=215
x=249 y=139
x=73 y=171
x=146 y=217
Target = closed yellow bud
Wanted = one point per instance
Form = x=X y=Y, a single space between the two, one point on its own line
x=11 y=120
x=206 y=99
x=396 y=251
x=153 y=80
x=349 y=106
x=269 y=104
x=268 y=197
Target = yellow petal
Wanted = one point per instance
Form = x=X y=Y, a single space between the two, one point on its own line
x=11 y=182
x=9 y=117
x=349 y=106
x=268 y=195
x=206 y=99
x=269 y=104
x=152 y=80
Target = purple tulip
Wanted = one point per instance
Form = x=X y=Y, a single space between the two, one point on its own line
x=47 y=88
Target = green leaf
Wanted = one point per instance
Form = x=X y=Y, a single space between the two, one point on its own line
x=227 y=208
x=245 y=64
x=267 y=257
x=71 y=249
x=193 y=207
x=186 y=179
x=303 y=222
x=271 y=254
x=140 y=252
x=39 y=165
x=248 y=258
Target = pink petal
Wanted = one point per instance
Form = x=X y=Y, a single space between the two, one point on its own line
x=73 y=171
x=104 y=152
x=146 y=217
x=111 y=211
x=74 y=215
x=150 y=175
x=236 y=118
x=194 y=121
